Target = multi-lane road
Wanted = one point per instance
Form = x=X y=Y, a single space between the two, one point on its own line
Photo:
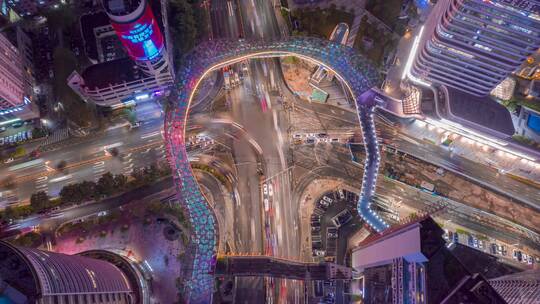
x=434 y=154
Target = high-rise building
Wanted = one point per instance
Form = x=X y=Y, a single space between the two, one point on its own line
x=16 y=76
x=29 y=275
x=473 y=45
x=127 y=81
x=410 y=263
x=522 y=287
x=140 y=34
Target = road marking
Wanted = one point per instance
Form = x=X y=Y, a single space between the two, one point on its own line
x=151 y=134
x=61 y=178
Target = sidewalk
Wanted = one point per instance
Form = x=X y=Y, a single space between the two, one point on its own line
x=138 y=236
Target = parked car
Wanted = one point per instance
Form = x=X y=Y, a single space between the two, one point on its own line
x=319 y=253
x=493 y=248
x=341 y=194
x=329 y=200
x=331 y=232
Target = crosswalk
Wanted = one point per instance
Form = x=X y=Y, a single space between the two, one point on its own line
x=42 y=184
x=56 y=136
x=98 y=168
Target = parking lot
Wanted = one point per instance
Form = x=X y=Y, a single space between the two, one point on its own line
x=333 y=220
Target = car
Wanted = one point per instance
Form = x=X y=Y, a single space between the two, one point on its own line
x=331 y=232
x=530 y=260
x=297 y=136
x=1 y=141
x=29 y=134
x=270 y=189
x=102 y=213
x=310 y=140
x=2 y=129
x=55 y=209
x=18 y=124
x=517 y=255
x=322 y=135
x=334 y=140
x=524 y=257
x=9 y=160
x=470 y=240
x=329 y=200
x=446 y=235
x=455 y=238
x=501 y=249
x=341 y=194
x=266 y=205
x=265 y=189
x=493 y=248
x=134 y=125
x=323 y=205
x=475 y=242
x=319 y=253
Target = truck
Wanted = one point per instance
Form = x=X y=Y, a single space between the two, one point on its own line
x=427 y=186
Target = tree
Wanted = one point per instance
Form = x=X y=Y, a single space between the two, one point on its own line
x=182 y=27
x=106 y=184
x=120 y=181
x=8 y=213
x=78 y=193
x=40 y=201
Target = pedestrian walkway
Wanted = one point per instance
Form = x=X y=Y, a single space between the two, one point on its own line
x=56 y=136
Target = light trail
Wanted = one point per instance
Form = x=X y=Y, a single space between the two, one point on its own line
x=350 y=67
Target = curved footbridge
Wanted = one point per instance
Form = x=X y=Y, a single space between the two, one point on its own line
x=348 y=65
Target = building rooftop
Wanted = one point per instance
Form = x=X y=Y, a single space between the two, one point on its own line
x=120 y=7
x=88 y=23
x=111 y=73
x=482 y=111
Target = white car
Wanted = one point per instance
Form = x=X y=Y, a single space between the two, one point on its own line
x=266 y=205
x=9 y=160
x=319 y=253
x=265 y=189
x=329 y=200
x=102 y=213
x=270 y=190
x=341 y=194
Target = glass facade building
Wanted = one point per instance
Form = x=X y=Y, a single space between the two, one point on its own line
x=473 y=45
x=29 y=275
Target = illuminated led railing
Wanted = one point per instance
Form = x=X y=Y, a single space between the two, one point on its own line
x=349 y=66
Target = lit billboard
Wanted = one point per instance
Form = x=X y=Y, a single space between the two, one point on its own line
x=142 y=38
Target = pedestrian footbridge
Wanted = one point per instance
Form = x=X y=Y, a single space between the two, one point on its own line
x=348 y=65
